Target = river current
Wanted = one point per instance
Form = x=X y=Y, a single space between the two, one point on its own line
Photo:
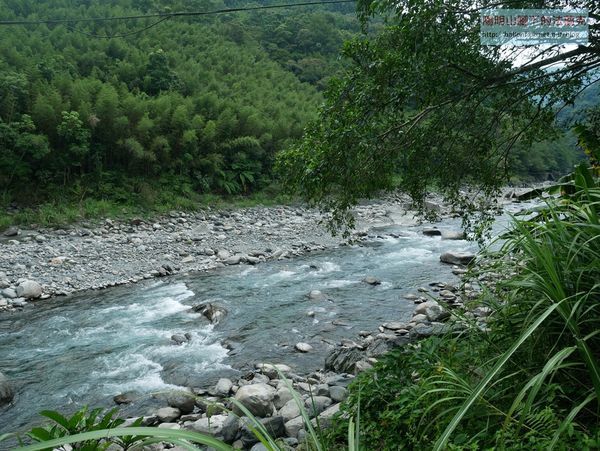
x=64 y=353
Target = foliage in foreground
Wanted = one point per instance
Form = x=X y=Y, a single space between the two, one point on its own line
x=93 y=431
x=530 y=382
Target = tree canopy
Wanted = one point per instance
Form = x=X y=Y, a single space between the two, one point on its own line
x=423 y=100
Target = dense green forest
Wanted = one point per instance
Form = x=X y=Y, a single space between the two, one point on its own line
x=202 y=103
x=191 y=105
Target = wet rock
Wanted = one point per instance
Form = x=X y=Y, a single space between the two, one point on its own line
x=257 y=398
x=270 y=370
x=371 y=280
x=303 y=347
x=29 y=289
x=457 y=258
x=212 y=312
x=394 y=325
x=179 y=338
x=453 y=235
x=6 y=391
x=125 y=398
x=316 y=295
x=432 y=232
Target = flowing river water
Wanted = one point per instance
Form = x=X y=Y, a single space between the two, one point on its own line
x=64 y=353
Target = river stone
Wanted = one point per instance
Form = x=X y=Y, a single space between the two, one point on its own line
x=338 y=394
x=326 y=417
x=223 y=387
x=230 y=429
x=179 y=338
x=212 y=426
x=213 y=313
x=303 y=347
x=453 y=235
x=316 y=295
x=293 y=426
x=394 y=325
x=259 y=447
x=12 y=231
x=432 y=232
x=457 y=258
x=125 y=398
x=6 y=392
x=342 y=360
x=257 y=398
x=9 y=293
x=29 y=289
x=233 y=260
x=270 y=370
x=317 y=404
x=168 y=414
x=371 y=280
x=184 y=401
x=223 y=254
x=282 y=396
x=290 y=410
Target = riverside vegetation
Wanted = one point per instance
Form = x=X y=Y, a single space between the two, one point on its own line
x=168 y=118
x=102 y=123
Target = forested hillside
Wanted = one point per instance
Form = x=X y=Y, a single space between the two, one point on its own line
x=201 y=104
x=185 y=106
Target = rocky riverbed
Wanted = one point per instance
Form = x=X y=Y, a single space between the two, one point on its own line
x=40 y=263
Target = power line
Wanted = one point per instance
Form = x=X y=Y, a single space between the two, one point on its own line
x=168 y=15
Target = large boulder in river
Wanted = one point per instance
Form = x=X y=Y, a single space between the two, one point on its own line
x=457 y=258
x=212 y=312
x=6 y=392
x=257 y=398
x=29 y=289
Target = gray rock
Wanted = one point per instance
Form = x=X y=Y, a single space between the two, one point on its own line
x=457 y=258
x=179 y=338
x=453 y=235
x=212 y=312
x=29 y=289
x=282 y=396
x=317 y=404
x=230 y=429
x=270 y=370
x=303 y=347
x=290 y=410
x=168 y=414
x=293 y=426
x=338 y=394
x=210 y=425
x=432 y=232
x=371 y=280
x=274 y=425
x=223 y=387
x=12 y=231
x=9 y=293
x=342 y=360
x=316 y=295
x=259 y=447
x=125 y=398
x=233 y=260
x=6 y=391
x=184 y=401
x=257 y=398
x=326 y=417
x=223 y=254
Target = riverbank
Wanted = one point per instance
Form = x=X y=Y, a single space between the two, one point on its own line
x=92 y=256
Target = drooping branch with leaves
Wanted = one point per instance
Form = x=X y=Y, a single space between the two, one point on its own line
x=425 y=103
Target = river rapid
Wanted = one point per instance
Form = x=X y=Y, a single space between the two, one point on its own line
x=62 y=353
